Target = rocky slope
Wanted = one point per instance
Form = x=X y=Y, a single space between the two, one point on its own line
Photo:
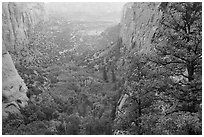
x=18 y=20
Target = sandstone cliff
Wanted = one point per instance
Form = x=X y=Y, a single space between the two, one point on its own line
x=138 y=24
x=18 y=20
x=13 y=87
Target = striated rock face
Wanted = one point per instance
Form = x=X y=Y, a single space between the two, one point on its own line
x=138 y=24
x=18 y=20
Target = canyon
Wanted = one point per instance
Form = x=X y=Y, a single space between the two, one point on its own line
x=89 y=68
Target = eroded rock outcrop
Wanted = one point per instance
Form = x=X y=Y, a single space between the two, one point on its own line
x=13 y=87
x=18 y=20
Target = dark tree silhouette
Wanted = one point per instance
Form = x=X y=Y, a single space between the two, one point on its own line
x=178 y=45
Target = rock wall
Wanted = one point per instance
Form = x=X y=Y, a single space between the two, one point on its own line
x=18 y=20
x=138 y=24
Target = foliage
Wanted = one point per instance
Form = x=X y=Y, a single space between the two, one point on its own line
x=164 y=89
x=154 y=94
x=141 y=95
x=74 y=113
x=178 y=47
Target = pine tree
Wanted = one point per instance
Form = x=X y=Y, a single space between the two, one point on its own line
x=178 y=46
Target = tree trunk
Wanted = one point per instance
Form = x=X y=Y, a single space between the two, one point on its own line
x=190 y=70
x=140 y=114
x=105 y=76
x=113 y=75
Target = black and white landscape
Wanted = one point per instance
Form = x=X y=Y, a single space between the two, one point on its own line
x=105 y=68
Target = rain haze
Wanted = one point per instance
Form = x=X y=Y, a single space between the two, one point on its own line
x=92 y=11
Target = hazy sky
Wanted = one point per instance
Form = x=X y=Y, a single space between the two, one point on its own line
x=87 y=10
